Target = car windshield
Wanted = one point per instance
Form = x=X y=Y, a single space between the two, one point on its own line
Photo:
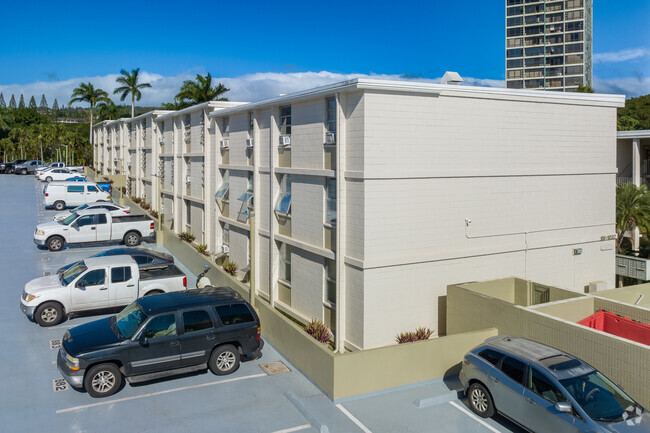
x=67 y=220
x=129 y=320
x=72 y=272
x=600 y=398
x=78 y=208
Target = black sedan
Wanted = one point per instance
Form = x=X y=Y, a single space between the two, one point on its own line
x=146 y=259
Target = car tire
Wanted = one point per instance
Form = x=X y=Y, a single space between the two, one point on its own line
x=49 y=314
x=132 y=239
x=102 y=380
x=55 y=243
x=23 y=171
x=480 y=400
x=224 y=360
x=48 y=179
x=59 y=205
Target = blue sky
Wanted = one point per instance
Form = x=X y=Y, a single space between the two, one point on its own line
x=264 y=48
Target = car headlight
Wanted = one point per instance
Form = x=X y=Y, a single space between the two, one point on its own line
x=40 y=232
x=28 y=297
x=72 y=362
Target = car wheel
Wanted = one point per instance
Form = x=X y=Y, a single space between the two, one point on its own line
x=48 y=179
x=55 y=243
x=59 y=205
x=480 y=400
x=49 y=314
x=103 y=380
x=224 y=360
x=132 y=239
x=24 y=171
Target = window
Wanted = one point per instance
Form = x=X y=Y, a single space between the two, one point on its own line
x=534 y=9
x=234 y=314
x=516 y=10
x=516 y=63
x=572 y=4
x=92 y=278
x=222 y=192
x=285 y=120
x=516 y=21
x=491 y=356
x=513 y=368
x=515 y=42
x=196 y=321
x=76 y=188
x=92 y=188
x=574 y=37
x=515 y=74
x=537 y=51
x=577 y=25
x=143 y=260
x=330 y=200
x=574 y=70
x=85 y=220
x=101 y=219
x=515 y=31
x=226 y=234
x=515 y=84
x=330 y=115
x=574 y=48
x=285 y=263
x=517 y=52
x=283 y=206
x=121 y=274
x=573 y=59
x=542 y=385
x=574 y=15
x=251 y=123
x=330 y=281
x=554 y=50
x=161 y=326
x=225 y=129
x=534 y=30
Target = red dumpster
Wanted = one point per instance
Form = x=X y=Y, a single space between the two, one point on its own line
x=617 y=325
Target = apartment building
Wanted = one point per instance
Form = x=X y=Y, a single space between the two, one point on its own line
x=364 y=199
x=549 y=44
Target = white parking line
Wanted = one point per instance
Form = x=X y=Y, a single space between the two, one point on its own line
x=354 y=420
x=135 y=397
x=292 y=429
x=464 y=409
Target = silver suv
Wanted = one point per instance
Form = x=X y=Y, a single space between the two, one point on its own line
x=546 y=390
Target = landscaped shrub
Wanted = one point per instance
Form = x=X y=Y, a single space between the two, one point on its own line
x=319 y=331
x=144 y=205
x=187 y=236
x=154 y=213
x=203 y=249
x=409 y=337
x=231 y=268
x=136 y=200
x=123 y=189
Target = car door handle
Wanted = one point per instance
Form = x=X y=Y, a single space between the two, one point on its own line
x=493 y=379
x=103 y=288
x=93 y=228
x=210 y=337
x=530 y=400
x=175 y=343
x=130 y=285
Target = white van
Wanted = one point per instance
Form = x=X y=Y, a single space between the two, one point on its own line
x=64 y=194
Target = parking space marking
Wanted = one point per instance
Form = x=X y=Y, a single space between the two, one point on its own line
x=353 y=419
x=292 y=429
x=461 y=408
x=153 y=394
x=60 y=384
x=55 y=344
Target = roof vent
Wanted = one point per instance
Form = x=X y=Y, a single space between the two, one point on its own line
x=451 y=78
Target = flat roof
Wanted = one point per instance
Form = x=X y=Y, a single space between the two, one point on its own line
x=192 y=108
x=435 y=89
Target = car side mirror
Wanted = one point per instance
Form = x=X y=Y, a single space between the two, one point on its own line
x=143 y=340
x=563 y=406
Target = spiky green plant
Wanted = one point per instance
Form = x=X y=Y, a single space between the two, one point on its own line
x=231 y=268
x=319 y=331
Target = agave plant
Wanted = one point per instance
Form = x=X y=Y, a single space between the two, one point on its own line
x=410 y=336
x=319 y=331
x=231 y=268
x=203 y=249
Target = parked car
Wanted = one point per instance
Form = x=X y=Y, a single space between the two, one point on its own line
x=94 y=225
x=8 y=167
x=95 y=284
x=64 y=194
x=40 y=169
x=546 y=390
x=102 y=185
x=57 y=174
x=114 y=209
x=27 y=166
x=159 y=336
x=145 y=258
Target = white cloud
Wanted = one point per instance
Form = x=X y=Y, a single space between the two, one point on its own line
x=621 y=56
x=259 y=86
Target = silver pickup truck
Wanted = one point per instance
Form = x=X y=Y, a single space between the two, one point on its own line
x=94 y=225
x=95 y=284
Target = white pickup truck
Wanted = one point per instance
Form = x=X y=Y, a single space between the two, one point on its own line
x=94 y=225
x=95 y=284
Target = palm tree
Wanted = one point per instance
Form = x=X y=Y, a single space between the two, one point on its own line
x=195 y=92
x=130 y=85
x=585 y=89
x=632 y=211
x=175 y=105
x=110 y=111
x=86 y=92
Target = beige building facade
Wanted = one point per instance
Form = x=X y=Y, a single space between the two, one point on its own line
x=364 y=199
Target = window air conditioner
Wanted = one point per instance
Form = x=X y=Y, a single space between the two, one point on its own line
x=188 y=179
x=330 y=138
x=224 y=144
x=161 y=140
x=225 y=249
x=249 y=142
x=285 y=140
x=116 y=159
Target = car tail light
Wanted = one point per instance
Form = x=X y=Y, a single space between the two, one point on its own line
x=151 y=227
x=185 y=282
x=466 y=361
x=47 y=195
x=259 y=331
x=127 y=211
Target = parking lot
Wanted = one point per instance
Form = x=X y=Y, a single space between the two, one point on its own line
x=34 y=397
